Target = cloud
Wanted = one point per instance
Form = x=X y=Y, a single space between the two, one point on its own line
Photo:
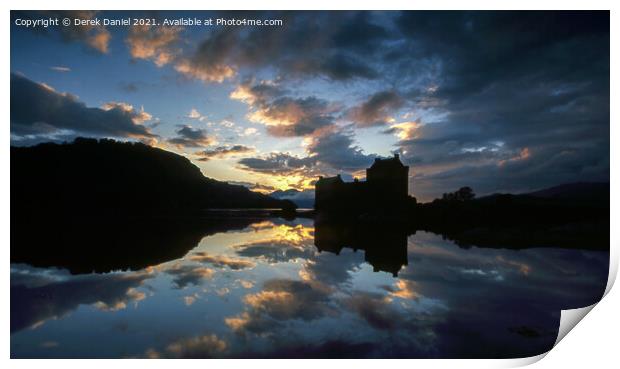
x=279 y=301
x=139 y=116
x=187 y=136
x=329 y=151
x=29 y=286
x=157 y=44
x=404 y=130
x=287 y=244
x=60 y=69
x=195 y=114
x=404 y=289
x=245 y=283
x=377 y=109
x=96 y=37
x=375 y=310
x=340 y=53
x=189 y=300
x=38 y=109
x=284 y=116
x=224 y=151
x=497 y=97
x=332 y=269
x=337 y=149
x=208 y=63
x=222 y=261
x=199 y=347
x=277 y=163
x=339 y=67
x=249 y=131
x=129 y=86
x=185 y=275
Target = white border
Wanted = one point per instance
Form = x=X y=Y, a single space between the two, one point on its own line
x=594 y=343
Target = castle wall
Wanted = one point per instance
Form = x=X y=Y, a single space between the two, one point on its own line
x=385 y=189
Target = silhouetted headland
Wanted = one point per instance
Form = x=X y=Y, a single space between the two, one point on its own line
x=118 y=178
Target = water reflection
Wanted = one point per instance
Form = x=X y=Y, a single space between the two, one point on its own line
x=385 y=247
x=287 y=289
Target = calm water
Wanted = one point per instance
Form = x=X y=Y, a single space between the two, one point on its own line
x=268 y=291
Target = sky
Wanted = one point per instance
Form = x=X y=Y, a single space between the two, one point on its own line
x=498 y=101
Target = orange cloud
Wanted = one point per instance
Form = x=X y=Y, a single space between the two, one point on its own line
x=153 y=43
x=522 y=155
x=405 y=130
x=206 y=73
x=222 y=260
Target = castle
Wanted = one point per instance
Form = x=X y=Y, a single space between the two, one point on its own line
x=385 y=189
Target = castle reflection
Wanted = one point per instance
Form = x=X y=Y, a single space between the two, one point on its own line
x=385 y=248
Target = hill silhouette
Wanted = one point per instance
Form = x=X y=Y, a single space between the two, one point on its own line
x=570 y=215
x=585 y=192
x=109 y=177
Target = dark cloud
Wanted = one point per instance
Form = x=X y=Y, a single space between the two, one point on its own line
x=287 y=117
x=225 y=52
x=332 y=269
x=486 y=90
x=38 y=295
x=37 y=109
x=210 y=63
x=184 y=275
x=332 y=349
x=339 y=67
x=375 y=310
x=523 y=99
x=223 y=151
x=93 y=36
x=277 y=163
x=222 y=261
x=187 y=136
x=338 y=150
x=377 y=110
x=360 y=32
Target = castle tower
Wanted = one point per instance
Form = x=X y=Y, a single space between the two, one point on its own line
x=389 y=178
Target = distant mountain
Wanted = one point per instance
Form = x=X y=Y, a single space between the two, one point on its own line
x=104 y=176
x=572 y=215
x=303 y=199
x=582 y=191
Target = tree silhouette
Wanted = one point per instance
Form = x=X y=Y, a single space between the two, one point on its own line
x=461 y=195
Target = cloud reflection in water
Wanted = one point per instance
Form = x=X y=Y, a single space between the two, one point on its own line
x=267 y=291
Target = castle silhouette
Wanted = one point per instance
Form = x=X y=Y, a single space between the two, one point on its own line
x=385 y=190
